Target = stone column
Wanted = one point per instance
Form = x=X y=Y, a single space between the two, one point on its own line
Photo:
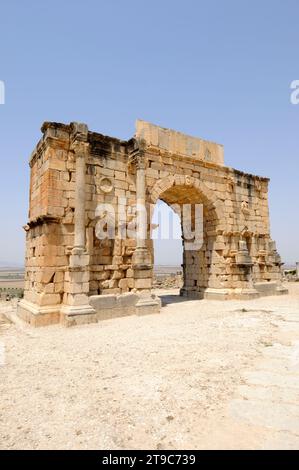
x=141 y=259
x=79 y=240
x=79 y=146
x=76 y=285
x=141 y=208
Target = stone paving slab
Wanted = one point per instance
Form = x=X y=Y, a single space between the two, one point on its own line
x=279 y=366
x=280 y=351
x=265 y=378
x=259 y=413
x=282 y=440
x=269 y=394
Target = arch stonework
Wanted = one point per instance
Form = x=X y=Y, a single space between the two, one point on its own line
x=181 y=180
x=168 y=182
x=74 y=276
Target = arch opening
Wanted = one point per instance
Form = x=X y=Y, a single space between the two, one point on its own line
x=167 y=247
x=195 y=221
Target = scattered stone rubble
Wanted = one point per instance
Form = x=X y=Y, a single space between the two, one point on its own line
x=168 y=281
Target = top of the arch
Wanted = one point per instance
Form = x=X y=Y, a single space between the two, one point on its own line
x=178 y=143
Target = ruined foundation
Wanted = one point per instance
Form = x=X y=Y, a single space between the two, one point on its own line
x=74 y=277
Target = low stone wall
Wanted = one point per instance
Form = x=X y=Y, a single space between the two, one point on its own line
x=101 y=307
x=110 y=306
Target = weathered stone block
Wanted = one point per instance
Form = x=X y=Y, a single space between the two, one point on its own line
x=99 y=302
x=143 y=283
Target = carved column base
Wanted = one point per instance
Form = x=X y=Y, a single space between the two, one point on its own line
x=38 y=315
x=148 y=304
x=76 y=287
x=77 y=314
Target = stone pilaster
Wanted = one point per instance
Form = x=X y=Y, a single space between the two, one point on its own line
x=141 y=259
x=80 y=195
x=76 y=283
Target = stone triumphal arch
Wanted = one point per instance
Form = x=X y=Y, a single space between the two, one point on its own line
x=84 y=184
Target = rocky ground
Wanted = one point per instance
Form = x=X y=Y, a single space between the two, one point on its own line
x=201 y=374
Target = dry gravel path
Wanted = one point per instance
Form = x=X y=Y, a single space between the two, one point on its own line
x=202 y=374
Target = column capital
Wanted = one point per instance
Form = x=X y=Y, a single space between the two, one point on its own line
x=79 y=148
x=79 y=131
x=79 y=138
x=137 y=156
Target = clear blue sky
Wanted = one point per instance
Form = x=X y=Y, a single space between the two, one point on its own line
x=220 y=70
